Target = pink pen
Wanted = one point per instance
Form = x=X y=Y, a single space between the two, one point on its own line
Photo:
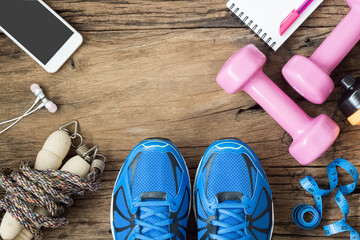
x=293 y=16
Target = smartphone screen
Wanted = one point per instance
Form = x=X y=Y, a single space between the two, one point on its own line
x=34 y=27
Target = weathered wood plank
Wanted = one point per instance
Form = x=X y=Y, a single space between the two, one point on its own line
x=108 y=15
x=141 y=14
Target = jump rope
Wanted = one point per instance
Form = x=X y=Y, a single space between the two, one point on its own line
x=36 y=197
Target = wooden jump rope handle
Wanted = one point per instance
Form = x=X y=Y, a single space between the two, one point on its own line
x=51 y=156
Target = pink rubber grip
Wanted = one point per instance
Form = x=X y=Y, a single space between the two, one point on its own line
x=311 y=137
x=310 y=77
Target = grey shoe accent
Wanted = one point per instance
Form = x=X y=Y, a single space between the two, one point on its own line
x=153 y=195
x=208 y=167
x=210 y=229
x=175 y=227
x=174 y=165
x=132 y=216
x=229 y=196
x=269 y=210
x=133 y=166
x=157 y=138
x=249 y=165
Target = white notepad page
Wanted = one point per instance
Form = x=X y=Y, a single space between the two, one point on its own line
x=268 y=16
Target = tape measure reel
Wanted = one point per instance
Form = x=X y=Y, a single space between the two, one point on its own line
x=310 y=185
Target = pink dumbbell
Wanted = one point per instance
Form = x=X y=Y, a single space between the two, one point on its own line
x=311 y=137
x=310 y=77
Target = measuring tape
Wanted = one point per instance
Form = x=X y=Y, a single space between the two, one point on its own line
x=310 y=185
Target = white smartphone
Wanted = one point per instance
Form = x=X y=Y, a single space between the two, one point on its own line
x=39 y=31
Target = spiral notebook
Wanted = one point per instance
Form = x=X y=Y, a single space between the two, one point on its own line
x=264 y=17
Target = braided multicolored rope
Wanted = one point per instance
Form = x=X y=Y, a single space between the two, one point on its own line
x=49 y=189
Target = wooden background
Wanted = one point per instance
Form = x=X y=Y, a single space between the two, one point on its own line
x=147 y=68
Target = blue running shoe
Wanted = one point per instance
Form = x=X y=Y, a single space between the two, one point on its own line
x=151 y=198
x=232 y=197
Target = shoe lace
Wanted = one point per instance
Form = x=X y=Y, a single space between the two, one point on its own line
x=231 y=222
x=154 y=220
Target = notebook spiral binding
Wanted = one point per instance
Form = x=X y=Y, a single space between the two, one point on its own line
x=255 y=29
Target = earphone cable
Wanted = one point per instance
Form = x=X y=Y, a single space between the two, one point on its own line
x=27 y=113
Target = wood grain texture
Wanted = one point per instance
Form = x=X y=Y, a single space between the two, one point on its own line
x=147 y=68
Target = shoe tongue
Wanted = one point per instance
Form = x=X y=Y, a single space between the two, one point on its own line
x=229 y=196
x=154 y=196
x=233 y=221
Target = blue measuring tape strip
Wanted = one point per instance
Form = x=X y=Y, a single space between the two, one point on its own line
x=310 y=185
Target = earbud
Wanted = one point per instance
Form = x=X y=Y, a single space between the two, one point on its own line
x=49 y=105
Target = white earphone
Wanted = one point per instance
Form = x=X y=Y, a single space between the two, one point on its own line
x=49 y=105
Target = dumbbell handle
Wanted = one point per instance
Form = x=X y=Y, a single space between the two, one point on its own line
x=277 y=104
x=339 y=43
